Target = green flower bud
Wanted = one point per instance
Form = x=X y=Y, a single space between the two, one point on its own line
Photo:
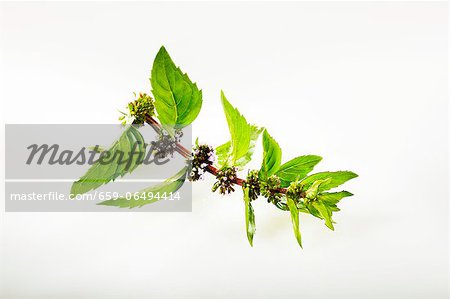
x=252 y=183
x=311 y=193
x=295 y=191
x=271 y=189
x=139 y=109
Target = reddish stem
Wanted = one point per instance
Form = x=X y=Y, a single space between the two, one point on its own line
x=157 y=127
x=186 y=153
x=211 y=169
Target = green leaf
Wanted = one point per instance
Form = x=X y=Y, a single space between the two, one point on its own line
x=243 y=137
x=172 y=184
x=177 y=100
x=254 y=134
x=249 y=217
x=102 y=173
x=313 y=211
x=325 y=212
x=295 y=221
x=331 y=199
x=136 y=160
x=272 y=156
x=223 y=153
x=297 y=169
x=336 y=178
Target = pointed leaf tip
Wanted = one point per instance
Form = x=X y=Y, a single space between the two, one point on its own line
x=243 y=136
x=249 y=217
x=295 y=220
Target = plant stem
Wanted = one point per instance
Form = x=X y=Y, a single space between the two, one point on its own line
x=157 y=127
x=187 y=154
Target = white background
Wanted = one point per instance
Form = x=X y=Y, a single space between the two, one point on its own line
x=362 y=84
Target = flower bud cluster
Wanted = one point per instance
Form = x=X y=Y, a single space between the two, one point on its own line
x=138 y=110
x=271 y=189
x=295 y=191
x=225 y=180
x=252 y=183
x=202 y=157
x=166 y=145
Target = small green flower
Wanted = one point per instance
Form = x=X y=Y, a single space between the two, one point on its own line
x=271 y=189
x=311 y=193
x=295 y=191
x=252 y=183
x=138 y=110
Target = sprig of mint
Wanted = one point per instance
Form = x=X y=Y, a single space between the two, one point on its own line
x=177 y=101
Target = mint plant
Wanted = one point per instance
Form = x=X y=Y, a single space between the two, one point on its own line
x=175 y=104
